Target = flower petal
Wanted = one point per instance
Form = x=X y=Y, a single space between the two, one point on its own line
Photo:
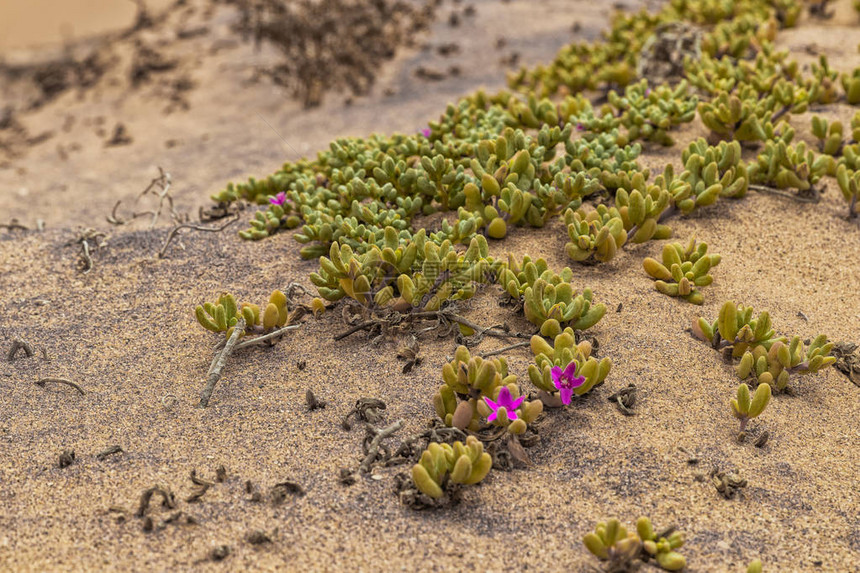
x=566 y=394
x=570 y=371
x=577 y=381
x=504 y=397
x=516 y=404
x=556 y=374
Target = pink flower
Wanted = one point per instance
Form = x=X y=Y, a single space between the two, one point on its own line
x=565 y=381
x=426 y=132
x=580 y=127
x=278 y=199
x=506 y=401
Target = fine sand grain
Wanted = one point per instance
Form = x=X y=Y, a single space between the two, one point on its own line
x=125 y=332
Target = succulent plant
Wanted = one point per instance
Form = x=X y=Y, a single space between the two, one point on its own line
x=507 y=408
x=441 y=464
x=785 y=166
x=711 y=172
x=823 y=85
x=610 y=541
x=849 y=184
x=549 y=301
x=467 y=380
x=606 y=157
x=773 y=365
x=414 y=274
x=595 y=236
x=661 y=547
x=223 y=315
x=683 y=270
x=830 y=135
x=552 y=362
x=745 y=408
x=650 y=114
x=642 y=208
x=851 y=85
x=741 y=117
x=768 y=358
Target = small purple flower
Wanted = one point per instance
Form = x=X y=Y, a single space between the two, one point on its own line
x=565 y=380
x=580 y=127
x=279 y=199
x=506 y=401
x=426 y=132
x=647 y=92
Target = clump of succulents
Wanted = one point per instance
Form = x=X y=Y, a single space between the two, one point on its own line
x=745 y=408
x=402 y=276
x=851 y=85
x=223 y=315
x=476 y=388
x=711 y=172
x=650 y=113
x=849 y=184
x=764 y=357
x=611 y=542
x=683 y=270
x=606 y=157
x=831 y=135
x=742 y=117
x=565 y=369
x=549 y=301
x=790 y=167
x=444 y=464
x=642 y=208
x=595 y=236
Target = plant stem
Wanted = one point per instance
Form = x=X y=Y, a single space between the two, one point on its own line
x=373 y=449
x=218 y=363
x=266 y=337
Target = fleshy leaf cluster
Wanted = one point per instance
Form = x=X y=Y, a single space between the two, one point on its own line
x=441 y=464
x=764 y=356
x=560 y=354
x=745 y=408
x=223 y=315
x=610 y=541
x=468 y=382
x=416 y=273
x=683 y=270
x=549 y=301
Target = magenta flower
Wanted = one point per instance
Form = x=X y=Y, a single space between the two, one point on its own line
x=426 y=132
x=506 y=401
x=279 y=199
x=565 y=381
x=580 y=127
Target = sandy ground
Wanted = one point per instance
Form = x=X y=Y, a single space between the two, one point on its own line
x=125 y=332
